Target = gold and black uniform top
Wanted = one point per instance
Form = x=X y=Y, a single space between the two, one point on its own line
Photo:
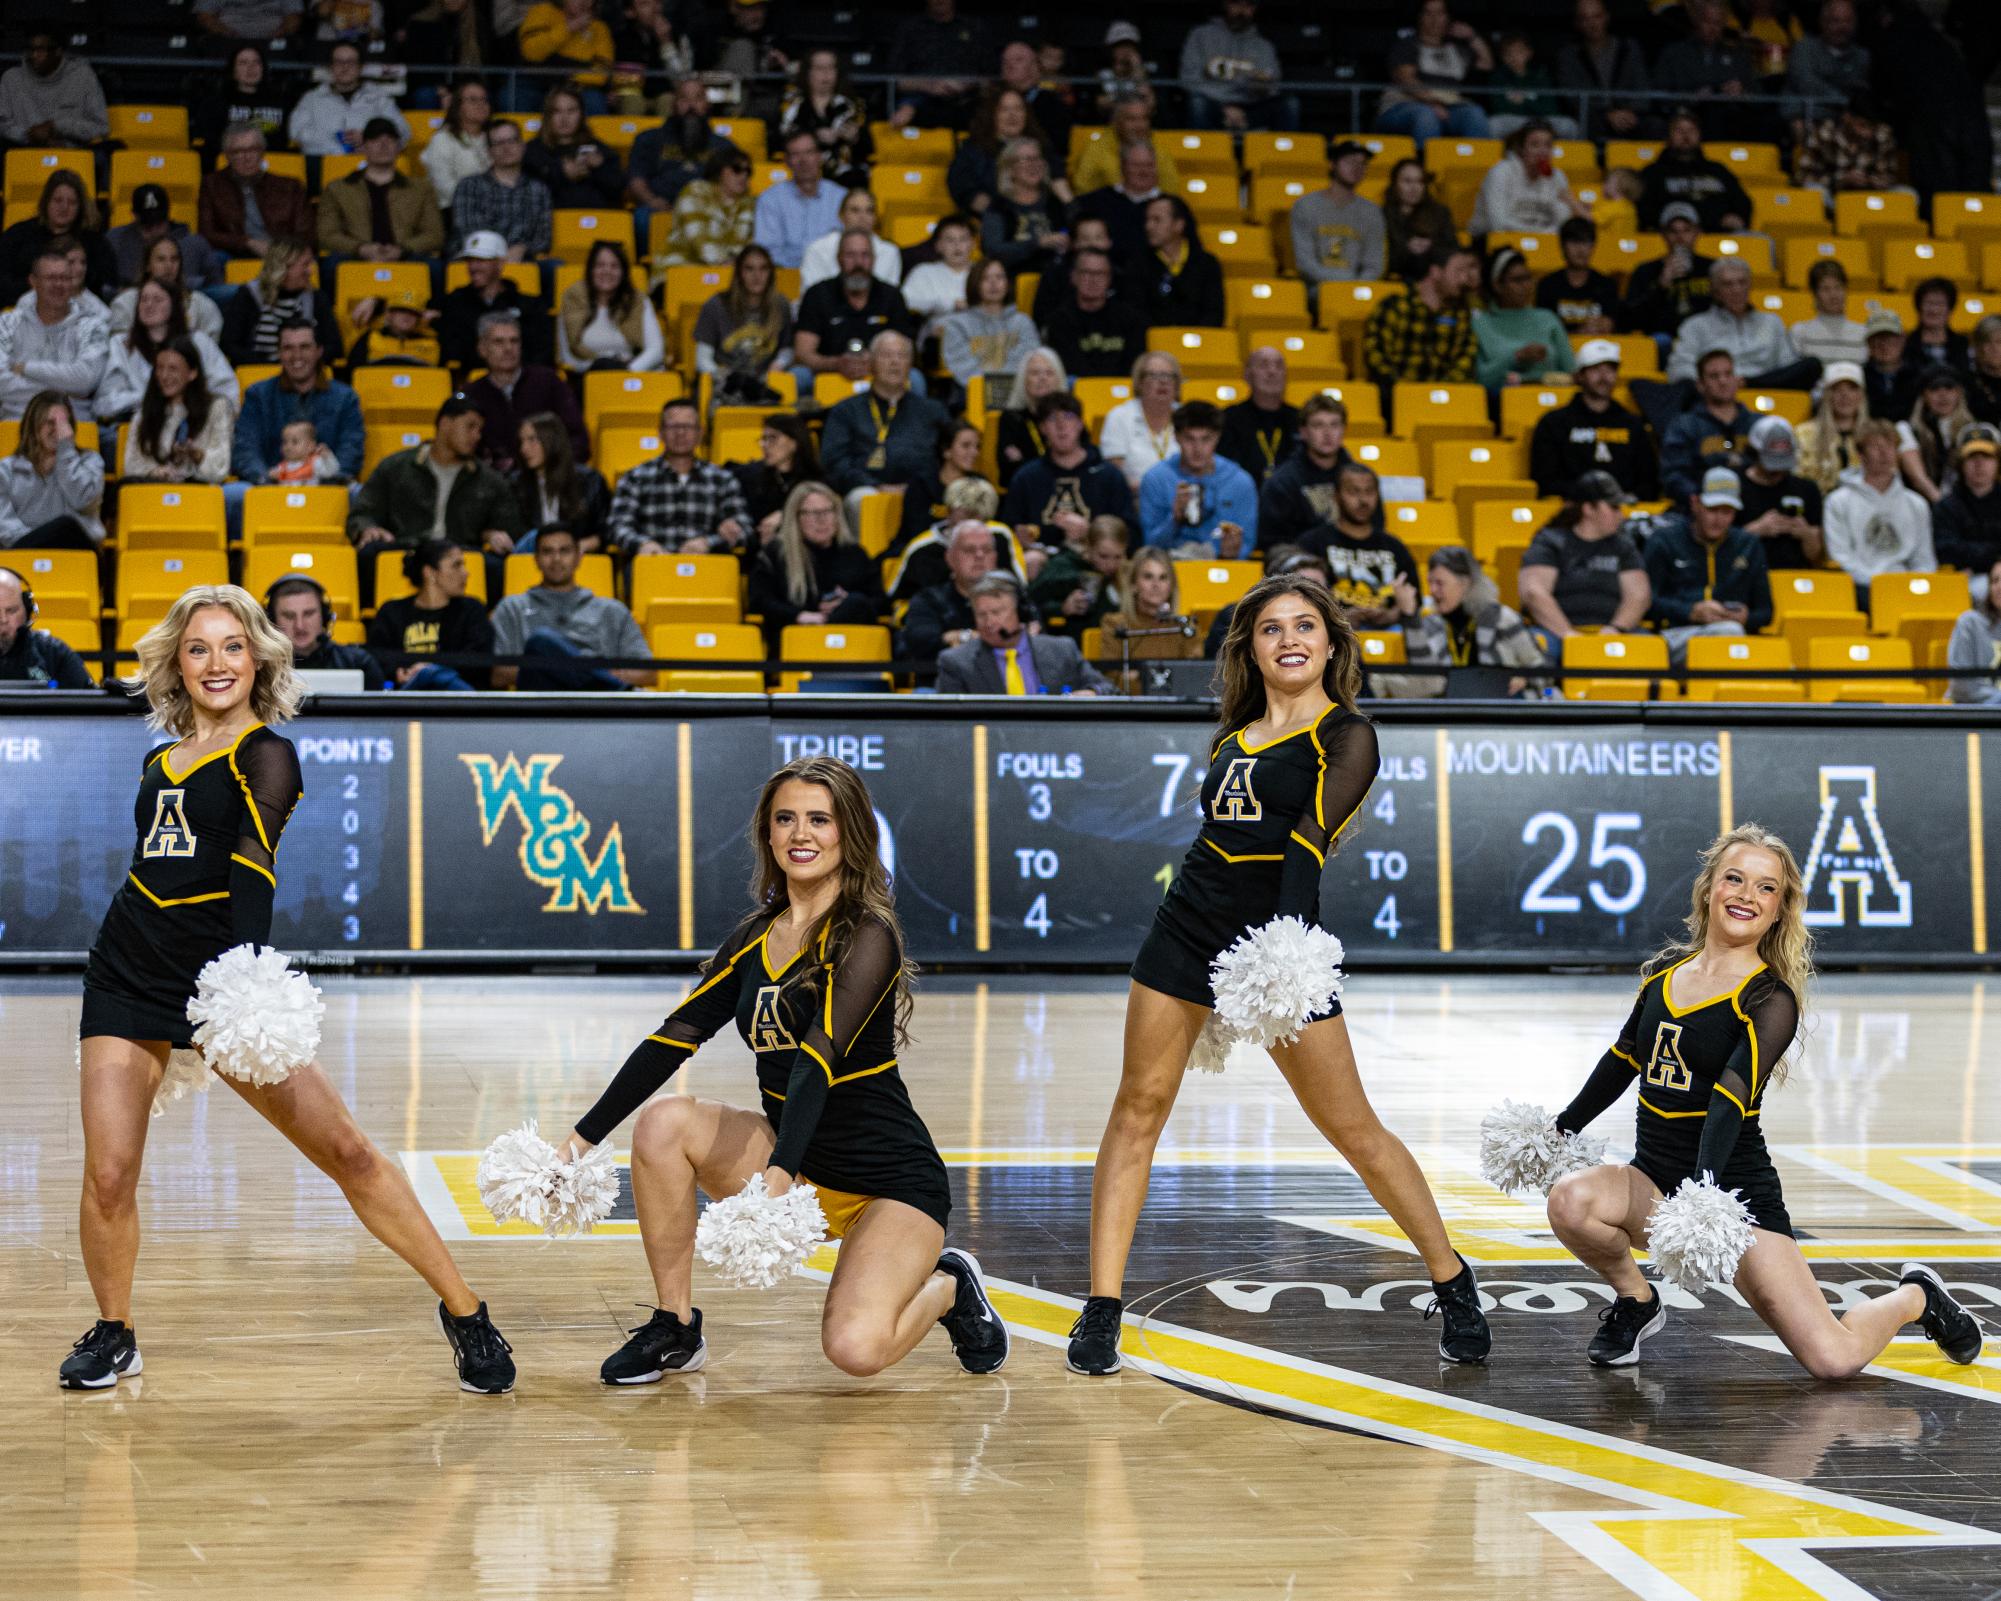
x=1702 y=1065
x=1270 y=814
x=204 y=870
x=825 y=1042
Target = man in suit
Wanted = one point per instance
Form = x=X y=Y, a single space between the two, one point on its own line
x=1006 y=659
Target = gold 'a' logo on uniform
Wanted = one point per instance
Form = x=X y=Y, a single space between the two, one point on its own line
x=767 y=1023
x=1236 y=801
x=170 y=835
x=1666 y=1068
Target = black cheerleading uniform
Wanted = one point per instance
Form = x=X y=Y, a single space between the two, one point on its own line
x=202 y=881
x=1270 y=814
x=1702 y=1072
x=826 y=1066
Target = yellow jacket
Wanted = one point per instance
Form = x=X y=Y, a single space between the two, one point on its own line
x=1098 y=167
x=545 y=35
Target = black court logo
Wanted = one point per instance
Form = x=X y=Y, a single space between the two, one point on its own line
x=1851 y=852
x=170 y=835
x=767 y=1023
x=1665 y=1068
x=1236 y=801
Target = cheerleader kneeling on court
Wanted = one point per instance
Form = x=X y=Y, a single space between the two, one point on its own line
x=1706 y=1038
x=211 y=809
x=817 y=984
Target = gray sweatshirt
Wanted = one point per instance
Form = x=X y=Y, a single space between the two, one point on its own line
x=1337 y=241
x=1976 y=642
x=1871 y=531
x=596 y=626
x=70 y=97
x=68 y=357
x=979 y=341
x=1232 y=69
x=73 y=488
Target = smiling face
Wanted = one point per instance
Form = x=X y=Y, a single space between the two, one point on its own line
x=964 y=450
x=217 y=667
x=1746 y=897
x=1448 y=589
x=804 y=838
x=819 y=519
x=1289 y=643
x=172 y=373
x=154 y=308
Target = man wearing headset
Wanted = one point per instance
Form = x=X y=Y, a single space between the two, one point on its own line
x=304 y=615
x=30 y=655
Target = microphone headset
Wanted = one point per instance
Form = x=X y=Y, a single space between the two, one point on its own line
x=27 y=592
x=275 y=593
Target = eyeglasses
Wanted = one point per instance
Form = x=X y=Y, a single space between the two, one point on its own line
x=816 y=511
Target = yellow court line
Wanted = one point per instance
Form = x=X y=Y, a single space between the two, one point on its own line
x=1976 y=834
x=982 y=885
x=1920 y=1177
x=413 y=756
x=684 y=824
x=1441 y=749
x=1726 y=782
x=1912 y=1360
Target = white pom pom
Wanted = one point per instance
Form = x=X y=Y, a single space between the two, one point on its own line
x=256 y=1019
x=1524 y=1153
x=1274 y=978
x=1699 y=1234
x=586 y=1191
x=522 y=1178
x=1217 y=1047
x=754 y=1239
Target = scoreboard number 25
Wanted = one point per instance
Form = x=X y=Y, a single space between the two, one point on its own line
x=1545 y=893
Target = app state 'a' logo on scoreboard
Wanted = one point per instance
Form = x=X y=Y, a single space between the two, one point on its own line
x=1851 y=874
x=555 y=835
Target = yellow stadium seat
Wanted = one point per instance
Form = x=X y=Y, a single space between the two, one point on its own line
x=1272 y=200
x=1363 y=400
x=1452 y=465
x=333 y=168
x=394 y=397
x=149 y=581
x=357 y=280
x=1906 y=262
x=748 y=134
x=1859 y=213
x=881 y=518
x=1198 y=152
x=1310 y=353
x=1810 y=592
x=1619 y=254
x=687 y=589
x=28 y=172
x=297 y=514
x=831 y=643
x=1522 y=405
x=1896 y=598
x=619 y=450
x=150 y=127
x=1801 y=629
x=1386 y=149
x=279 y=163
x=919 y=186
x=1865 y=303
x=620 y=132
x=1098 y=396
x=1972 y=309
x=1576 y=159
x=1245 y=249
x=1213 y=199
x=1782 y=213
x=1499 y=522
x=912 y=146
x=1217 y=391
x=1639 y=356
x=1202 y=352
x=1423 y=525
x=1860 y=651
x=1788 y=305
x=1855 y=256
x=392 y=583
x=723 y=643
x=628 y=399
x=1444 y=155
x=1744 y=160
x=1265 y=299
x=332 y=567
x=1350 y=304
x=1440 y=411
x=171 y=516
x=1795 y=405
x=380 y=443
x=1758 y=665
x=176 y=171
x=575 y=232
x=1582 y=653
x=1303 y=153
x=1382 y=647
x=1206 y=587
x=1755 y=252
x=1634 y=153
x=85 y=635
x=64 y=582
x=1387 y=458
x=1973 y=218
x=594 y=572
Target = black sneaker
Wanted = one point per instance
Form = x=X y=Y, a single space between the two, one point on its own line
x=1094 y=1337
x=661 y=1345
x=1948 y=1324
x=1621 y=1327
x=486 y=1366
x=108 y=1353
x=979 y=1337
x=1465 y=1337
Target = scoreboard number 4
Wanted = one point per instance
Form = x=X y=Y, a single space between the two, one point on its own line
x=1540 y=896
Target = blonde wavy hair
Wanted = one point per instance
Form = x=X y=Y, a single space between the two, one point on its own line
x=1787 y=946
x=794 y=554
x=1128 y=614
x=274 y=694
x=278 y=261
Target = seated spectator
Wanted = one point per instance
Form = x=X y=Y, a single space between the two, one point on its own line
x=1926 y=443
x=1259 y=430
x=940 y=58
x=1717 y=425
x=553 y=487
x=1138 y=433
x=303 y=459
x=1006 y=658
x=790 y=216
x=157 y=320
x=567 y=160
x=1020 y=437
x=1852 y=149
x=1230 y=74
x=330 y=117
x=305 y=616
x=1827 y=438
x=787 y=458
x=512 y=391
x=935 y=289
x=941 y=616
x=437 y=489
x=1416 y=224
x=246 y=97
x=1584 y=571
x=1828 y=336
x=1875 y=523
x=1112 y=219
x=1149 y=622
x=152 y=228
x=1055 y=498
x=394 y=332
x=815 y=571
x=925 y=500
x=301 y=390
x=438 y=619
x=405 y=226
x=243 y=210
x=52 y=98
x=1299 y=494
x=1519 y=91
x=1782 y=509
x=1890 y=382
x=858 y=215
x=1430 y=69
x=488 y=291
x=1709 y=64
x=743 y=334
x=182 y=433
x=1663 y=294
x=1124 y=72
x=991 y=337
x=1584 y=299
x=1467 y=626
x=1026 y=222
x=1616 y=211
x=1337 y=236
x=1975 y=642
x=282 y=293
x=1983 y=377
x=1966 y=524
x=886 y=434
x=50 y=341
x=1756 y=341
x=746 y=44
x=1828 y=67
x=840 y=319
x=262 y=20
x=1682 y=173
x=1369 y=569
x=64 y=212
x=1078 y=588
x=1039 y=73
x=921 y=560
x=162 y=266
x=30 y=655
x=1181 y=284
x=1101 y=163
x=1525 y=191
x=1518 y=341
x=569 y=33
x=675 y=502
x=1093 y=335
x=50 y=491
x=1000 y=117
x=505 y=200
x=1610 y=69
x=562 y=627
x=713 y=215
x=664 y=160
x=819 y=103
x=1425 y=336
x=458 y=150
x=1934 y=342
x=1592 y=432
x=1196 y=498
x=604 y=324
x=1708 y=576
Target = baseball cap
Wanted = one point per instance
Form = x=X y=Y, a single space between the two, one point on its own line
x=1594 y=352
x=1772 y=440
x=485 y=245
x=1349 y=147
x=1721 y=488
x=379 y=128
x=1882 y=322
x=1121 y=33
x=402 y=300
x=1939 y=376
x=1841 y=372
x=149 y=203
x=1680 y=211
x=456 y=404
x=1982 y=439
x=1597 y=486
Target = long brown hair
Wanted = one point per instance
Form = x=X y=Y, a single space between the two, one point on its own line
x=152 y=419
x=1240 y=687
x=865 y=893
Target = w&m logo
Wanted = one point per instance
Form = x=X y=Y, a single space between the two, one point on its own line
x=555 y=836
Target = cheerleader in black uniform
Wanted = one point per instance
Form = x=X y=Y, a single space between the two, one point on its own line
x=1706 y=1038
x=1292 y=766
x=210 y=812
x=816 y=982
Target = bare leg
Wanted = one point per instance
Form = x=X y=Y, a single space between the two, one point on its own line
x=309 y=1112
x=118 y=1082
x=1320 y=1067
x=677 y=1143
x=1160 y=1032
x=887 y=1292
x=1601 y=1215
x=1775 y=1279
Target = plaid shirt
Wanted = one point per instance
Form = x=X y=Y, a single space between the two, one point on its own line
x=1405 y=341
x=519 y=214
x=654 y=502
x=1833 y=158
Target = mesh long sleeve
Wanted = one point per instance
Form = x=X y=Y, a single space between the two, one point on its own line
x=1347 y=770
x=1609 y=1078
x=267 y=772
x=1769 y=1027
x=864 y=983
